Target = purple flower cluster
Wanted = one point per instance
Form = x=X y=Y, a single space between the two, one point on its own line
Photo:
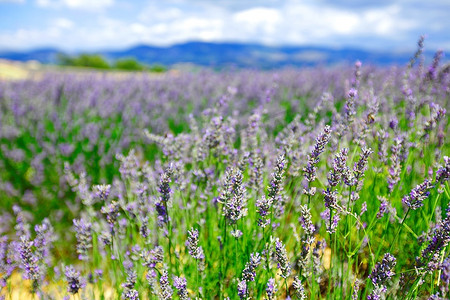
x=443 y=173
x=84 y=237
x=350 y=111
x=299 y=289
x=310 y=170
x=415 y=198
x=29 y=262
x=305 y=220
x=129 y=292
x=152 y=257
x=340 y=168
x=235 y=207
x=263 y=206
x=164 y=190
x=381 y=273
x=180 y=283
x=440 y=238
x=242 y=289
x=271 y=289
x=74 y=280
x=332 y=224
x=395 y=168
x=275 y=185
x=192 y=243
x=249 y=272
x=166 y=289
x=282 y=259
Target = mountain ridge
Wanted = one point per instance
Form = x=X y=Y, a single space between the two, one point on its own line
x=218 y=55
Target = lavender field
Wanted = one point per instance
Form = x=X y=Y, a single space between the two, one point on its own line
x=320 y=183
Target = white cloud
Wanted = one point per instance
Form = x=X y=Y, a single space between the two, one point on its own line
x=12 y=1
x=91 y=5
x=88 y=4
x=63 y=23
x=270 y=22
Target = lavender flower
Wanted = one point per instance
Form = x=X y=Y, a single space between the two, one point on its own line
x=436 y=297
x=98 y=273
x=152 y=257
x=384 y=205
x=236 y=233
x=445 y=275
x=84 y=237
x=256 y=170
x=227 y=188
x=102 y=191
x=381 y=273
x=350 y=111
x=45 y=235
x=249 y=272
x=271 y=289
x=395 y=168
x=164 y=185
x=282 y=259
x=166 y=290
x=242 y=289
x=313 y=157
x=129 y=293
x=275 y=185
x=234 y=209
x=363 y=208
x=382 y=135
x=180 y=284
x=432 y=70
x=383 y=270
x=361 y=165
x=30 y=262
x=74 y=281
x=305 y=220
x=153 y=283
x=299 y=289
x=263 y=206
x=443 y=173
x=330 y=198
x=356 y=287
x=377 y=293
x=164 y=190
x=436 y=116
x=22 y=227
x=332 y=224
x=356 y=75
x=112 y=213
x=339 y=167
x=439 y=240
x=415 y=198
x=418 y=52
x=192 y=243
x=3 y=254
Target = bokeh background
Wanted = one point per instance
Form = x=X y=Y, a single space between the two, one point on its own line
x=81 y=25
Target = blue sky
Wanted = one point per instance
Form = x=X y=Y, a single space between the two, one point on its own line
x=74 y=25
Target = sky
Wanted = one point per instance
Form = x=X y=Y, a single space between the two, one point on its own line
x=77 y=25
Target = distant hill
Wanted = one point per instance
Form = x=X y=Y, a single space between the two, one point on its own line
x=231 y=54
x=44 y=55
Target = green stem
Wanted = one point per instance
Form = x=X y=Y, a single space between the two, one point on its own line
x=434 y=208
x=286 y=286
x=236 y=254
x=400 y=228
x=196 y=271
x=331 y=244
